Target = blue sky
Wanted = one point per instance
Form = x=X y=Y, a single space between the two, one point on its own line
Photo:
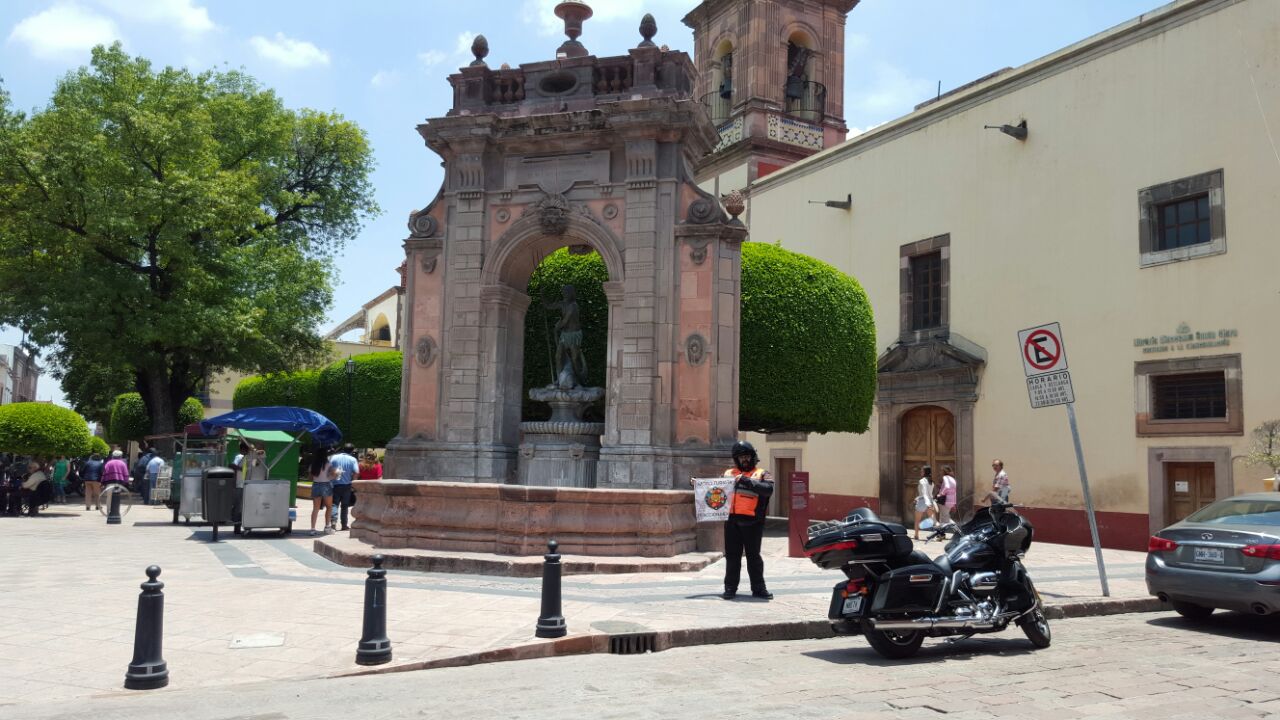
x=384 y=63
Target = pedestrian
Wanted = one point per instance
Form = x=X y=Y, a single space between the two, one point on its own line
x=343 y=468
x=926 y=506
x=946 y=497
x=321 y=490
x=153 y=469
x=370 y=468
x=1000 y=488
x=116 y=472
x=744 y=529
x=32 y=492
x=139 y=474
x=61 y=468
x=91 y=472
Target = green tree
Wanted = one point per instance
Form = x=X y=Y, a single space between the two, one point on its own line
x=296 y=389
x=100 y=446
x=174 y=224
x=1264 y=448
x=586 y=273
x=92 y=389
x=42 y=430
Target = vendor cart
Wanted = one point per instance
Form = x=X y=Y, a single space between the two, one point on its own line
x=193 y=451
x=269 y=485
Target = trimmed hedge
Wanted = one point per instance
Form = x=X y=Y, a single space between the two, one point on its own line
x=100 y=446
x=42 y=430
x=297 y=389
x=808 y=355
x=130 y=421
x=586 y=273
x=375 y=398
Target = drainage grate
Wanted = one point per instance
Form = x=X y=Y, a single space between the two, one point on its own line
x=633 y=643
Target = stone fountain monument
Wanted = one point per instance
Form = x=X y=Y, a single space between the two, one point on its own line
x=594 y=154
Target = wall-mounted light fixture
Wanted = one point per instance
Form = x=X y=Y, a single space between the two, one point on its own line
x=1017 y=132
x=845 y=204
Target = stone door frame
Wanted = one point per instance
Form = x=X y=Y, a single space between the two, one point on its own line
x=890 y=417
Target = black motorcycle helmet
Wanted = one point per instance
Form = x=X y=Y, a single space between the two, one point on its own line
x=742 y=447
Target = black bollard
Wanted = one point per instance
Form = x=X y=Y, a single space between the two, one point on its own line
x=375 y=646
x=113 y=509
x=551 y=623
x=148 y=670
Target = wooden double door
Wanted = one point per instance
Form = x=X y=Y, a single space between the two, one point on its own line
x=928 y=438
x=1189 y=486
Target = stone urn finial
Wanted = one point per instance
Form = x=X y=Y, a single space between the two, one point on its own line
x=735 y=203
x=479 y=48
x=648 y=28
x=574 y=13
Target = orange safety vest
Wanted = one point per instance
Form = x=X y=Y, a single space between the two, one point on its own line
x=744 y=501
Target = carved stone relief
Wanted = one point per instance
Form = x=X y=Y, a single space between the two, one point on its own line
x=425 y=351
x=695 y=349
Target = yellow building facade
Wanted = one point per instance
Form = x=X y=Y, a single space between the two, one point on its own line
x=1133 y=196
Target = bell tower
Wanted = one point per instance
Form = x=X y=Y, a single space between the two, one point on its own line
x=771 y=76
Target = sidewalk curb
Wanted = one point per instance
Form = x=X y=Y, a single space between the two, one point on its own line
x=692 y=637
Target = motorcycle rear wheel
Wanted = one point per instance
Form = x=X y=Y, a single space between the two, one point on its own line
x=894 y=645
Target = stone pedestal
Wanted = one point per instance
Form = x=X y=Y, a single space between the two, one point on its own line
x=562 y=451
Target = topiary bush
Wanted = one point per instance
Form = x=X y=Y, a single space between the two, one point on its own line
x=808 y=354
x=375 y=398
x=130 y=421
x=296 y=389
x=42 y=430
x=100 y=446
x=586 y=273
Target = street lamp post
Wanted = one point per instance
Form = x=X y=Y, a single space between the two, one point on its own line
x=351 y=373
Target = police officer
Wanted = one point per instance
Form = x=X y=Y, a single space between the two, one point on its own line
x=745 y=527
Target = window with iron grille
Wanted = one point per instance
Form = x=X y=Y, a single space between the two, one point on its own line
x=926 y=291
x=1182 y=223
x=1189 y=396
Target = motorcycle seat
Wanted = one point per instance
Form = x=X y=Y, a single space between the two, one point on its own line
x=918 y=558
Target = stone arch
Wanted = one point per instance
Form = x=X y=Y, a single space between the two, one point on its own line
x=519 y=250
x=802 y=34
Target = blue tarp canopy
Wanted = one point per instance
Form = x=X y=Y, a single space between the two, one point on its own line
x=287 y=419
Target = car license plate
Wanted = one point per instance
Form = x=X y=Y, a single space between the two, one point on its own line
x=853 y=605
x=1209 y=555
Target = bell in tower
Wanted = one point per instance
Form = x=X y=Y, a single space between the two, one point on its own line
x=771 y=77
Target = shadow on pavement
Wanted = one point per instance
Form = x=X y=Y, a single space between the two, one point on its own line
x=48 y=514
x=859 y=653
x=1241 y=626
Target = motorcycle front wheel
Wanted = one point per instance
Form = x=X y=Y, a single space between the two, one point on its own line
x=1036 y=627
x=894 y=645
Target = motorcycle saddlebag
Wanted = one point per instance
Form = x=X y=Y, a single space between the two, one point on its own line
x=912 y=589
x=863 y=542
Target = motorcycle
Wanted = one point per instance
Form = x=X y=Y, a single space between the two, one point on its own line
x=895 y=596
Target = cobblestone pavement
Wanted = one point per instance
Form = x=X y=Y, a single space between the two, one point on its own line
x=1124 y=666
x=256 y=608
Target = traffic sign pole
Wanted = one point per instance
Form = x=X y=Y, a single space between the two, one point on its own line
x=1088 y=499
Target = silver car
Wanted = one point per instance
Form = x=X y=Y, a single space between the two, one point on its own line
x=1226 y=555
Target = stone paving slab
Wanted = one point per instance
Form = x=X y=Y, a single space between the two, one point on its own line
x=70 y=583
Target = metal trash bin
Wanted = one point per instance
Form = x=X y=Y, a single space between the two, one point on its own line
x=220 y=496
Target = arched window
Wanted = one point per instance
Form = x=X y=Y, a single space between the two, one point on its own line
x=805 y=98
x=719 y=101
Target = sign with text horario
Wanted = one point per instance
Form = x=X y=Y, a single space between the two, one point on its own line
x=1044 y=358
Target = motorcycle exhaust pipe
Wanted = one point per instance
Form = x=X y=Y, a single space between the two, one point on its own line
x=930 y=623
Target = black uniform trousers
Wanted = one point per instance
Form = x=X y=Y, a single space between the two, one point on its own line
x=738 y=538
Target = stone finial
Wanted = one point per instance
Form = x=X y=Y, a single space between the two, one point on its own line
x=479 y=48
x=574 y=13
x=648 y=28
x=735 y=203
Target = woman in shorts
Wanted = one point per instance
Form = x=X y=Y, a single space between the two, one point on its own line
x=321 y=489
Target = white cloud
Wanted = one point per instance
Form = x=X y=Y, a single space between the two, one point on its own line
x=542 y=12
x=855 y=43
x=184 y=15
x=384 y=78
x=464 y=43
x=432 y=57
x=64 y=30
x=289 y=52
x=891 y=91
